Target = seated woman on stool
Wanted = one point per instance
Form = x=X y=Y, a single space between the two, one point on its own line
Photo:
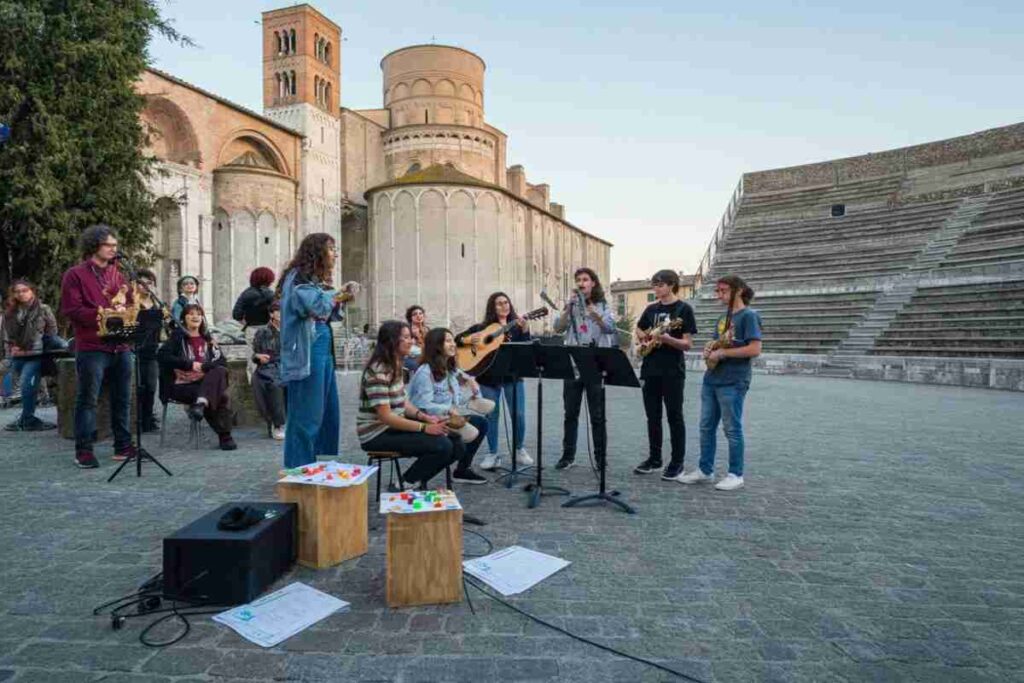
x=435 y=389
x=266 y=380
x=386 y=421
x=194 y=372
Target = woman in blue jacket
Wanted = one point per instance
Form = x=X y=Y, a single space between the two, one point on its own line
x=308 y=304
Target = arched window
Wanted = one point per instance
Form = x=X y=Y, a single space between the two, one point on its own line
x=316 y=88
x=414 y=168
x=292 y=40
x=327 y=98
x=426 y=116
x=277 y=39
x=316 y=44
x=327 y=53
x=280 y=90
x=293 y=82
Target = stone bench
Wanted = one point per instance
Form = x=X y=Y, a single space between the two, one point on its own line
x=239 y=389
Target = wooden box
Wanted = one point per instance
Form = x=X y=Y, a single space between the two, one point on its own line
x=332 y=522
x=424 y=558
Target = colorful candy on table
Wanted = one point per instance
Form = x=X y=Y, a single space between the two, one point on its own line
x=408 y=502
x=328 y=473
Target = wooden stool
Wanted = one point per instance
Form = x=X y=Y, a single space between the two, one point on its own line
x=378 y=457
x=424 y=558
x=332 y=522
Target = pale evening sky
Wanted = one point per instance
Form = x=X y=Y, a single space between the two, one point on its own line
x=642 y=116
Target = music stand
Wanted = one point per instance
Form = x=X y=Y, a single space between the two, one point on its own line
x=512 y=362
x=551 y=362
x=137 y=335
x=605 y=367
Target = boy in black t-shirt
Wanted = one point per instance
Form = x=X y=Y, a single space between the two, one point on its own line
x=665 y=328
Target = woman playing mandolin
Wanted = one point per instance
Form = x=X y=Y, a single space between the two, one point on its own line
x=499 y=310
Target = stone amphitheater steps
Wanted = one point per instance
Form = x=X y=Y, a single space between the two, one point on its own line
x=945 y=240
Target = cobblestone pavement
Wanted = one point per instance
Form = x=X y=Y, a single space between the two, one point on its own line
x=878 y=538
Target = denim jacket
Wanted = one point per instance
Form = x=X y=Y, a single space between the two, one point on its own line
x=301 y=304
x=435 y=397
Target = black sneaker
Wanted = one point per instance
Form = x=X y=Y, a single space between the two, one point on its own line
x=673 y=470
x=468 y=477
x=86 y=460
x=227 y=443
x=565 y=463
x=196 y=411
x=647 y=466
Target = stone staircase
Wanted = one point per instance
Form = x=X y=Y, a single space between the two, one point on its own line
x=939 y=246
x=861 y=339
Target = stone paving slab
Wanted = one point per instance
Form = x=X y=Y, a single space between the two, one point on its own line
x=878 y=538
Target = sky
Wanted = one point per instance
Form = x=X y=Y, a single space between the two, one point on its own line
x=642 y=116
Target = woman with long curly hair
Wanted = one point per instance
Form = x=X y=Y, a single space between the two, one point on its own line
x=388 y=421
x=308 y=303
x=27 y=324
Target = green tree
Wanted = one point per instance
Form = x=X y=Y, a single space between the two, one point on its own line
x=74 y=158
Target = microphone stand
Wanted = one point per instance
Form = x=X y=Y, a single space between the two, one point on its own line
x=140 y=452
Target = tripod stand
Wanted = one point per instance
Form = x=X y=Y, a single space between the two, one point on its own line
x=138 y=336
x=603 y=366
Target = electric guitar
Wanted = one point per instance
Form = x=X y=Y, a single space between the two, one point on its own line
x=477 y=358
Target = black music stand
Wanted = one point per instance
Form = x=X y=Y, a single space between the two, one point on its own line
x=512 y=362
x=550 y=362
x=137 y=336
x=604 y=367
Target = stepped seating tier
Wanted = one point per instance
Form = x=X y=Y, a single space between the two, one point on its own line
x=984 y=320
x=996 y=236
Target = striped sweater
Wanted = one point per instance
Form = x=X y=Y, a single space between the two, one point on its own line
x=379 y=386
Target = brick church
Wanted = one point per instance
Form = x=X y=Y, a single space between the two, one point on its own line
x=416 y=192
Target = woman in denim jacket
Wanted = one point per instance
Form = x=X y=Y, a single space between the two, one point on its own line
x=436 y=390
x=308 y=304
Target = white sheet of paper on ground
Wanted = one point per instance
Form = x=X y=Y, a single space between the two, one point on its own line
x=277 y=617
x=514 y=569
x=412 y=502
x=329 y=473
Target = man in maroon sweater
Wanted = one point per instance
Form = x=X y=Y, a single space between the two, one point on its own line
x=85 y=289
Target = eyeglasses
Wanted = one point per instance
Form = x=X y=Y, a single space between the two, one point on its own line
x=108 y=244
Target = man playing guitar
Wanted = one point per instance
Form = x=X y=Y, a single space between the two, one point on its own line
x=663 y=333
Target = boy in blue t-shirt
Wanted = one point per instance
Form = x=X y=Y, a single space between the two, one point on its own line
x=738 y=337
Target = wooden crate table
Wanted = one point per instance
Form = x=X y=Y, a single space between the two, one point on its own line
x=424 y=547
x=333 y=524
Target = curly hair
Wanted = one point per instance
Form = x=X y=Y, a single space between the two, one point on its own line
x=12 y=301
x=261 y=277
x=738 y=288
x=310 y=260
x=385 y=351
x=434 y=355
x=491 y=309
x=409 y=312
x=92 y=237
x=597 y=293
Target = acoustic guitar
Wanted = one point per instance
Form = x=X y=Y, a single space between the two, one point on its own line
x=648 y=340
x=477 y=358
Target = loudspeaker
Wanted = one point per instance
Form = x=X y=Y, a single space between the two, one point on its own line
x=204 y=563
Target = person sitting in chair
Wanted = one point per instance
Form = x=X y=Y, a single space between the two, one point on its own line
x=266 y=380
x=194 y=372
x=28 y=326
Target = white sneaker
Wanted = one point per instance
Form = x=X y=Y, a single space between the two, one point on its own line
x=490 y=461
x=523 y=458
x=277 y=433
x=694 y=477
x=730 y=483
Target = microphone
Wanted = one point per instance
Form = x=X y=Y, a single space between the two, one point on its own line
x=547 y=299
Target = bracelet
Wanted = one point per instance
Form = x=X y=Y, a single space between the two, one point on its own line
x=423 y=427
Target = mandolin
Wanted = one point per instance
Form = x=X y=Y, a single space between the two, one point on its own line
x=476 y=358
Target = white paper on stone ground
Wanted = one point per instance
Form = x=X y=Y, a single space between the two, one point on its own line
x=277 y=617
x=514 y=569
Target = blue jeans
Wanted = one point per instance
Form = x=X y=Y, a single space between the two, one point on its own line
x=722 y=403
x=91 y=367
x=30 y=370
x=314 y=418
x=493 y=420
